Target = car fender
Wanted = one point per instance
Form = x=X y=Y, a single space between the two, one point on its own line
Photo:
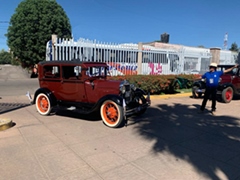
x=200 y=84
x=48 y=93
x=117 y=99
x=221 y=87
x=138 y=90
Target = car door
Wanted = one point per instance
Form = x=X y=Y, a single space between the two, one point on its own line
x=236 y=80
x=51 y=78
x=72 y=86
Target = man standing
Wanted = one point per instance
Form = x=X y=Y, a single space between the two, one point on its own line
x=212 y=80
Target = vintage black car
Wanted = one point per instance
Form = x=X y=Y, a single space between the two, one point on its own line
x=229 y=85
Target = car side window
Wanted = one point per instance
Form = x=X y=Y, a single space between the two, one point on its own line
x=96 y=71
x=238 y=72
x=51 y=71
x=71 y=72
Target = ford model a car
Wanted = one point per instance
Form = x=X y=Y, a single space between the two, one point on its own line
x=229 y=85
x=85 y=87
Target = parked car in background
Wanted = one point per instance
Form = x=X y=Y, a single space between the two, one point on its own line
x=194 y=72
x=85 y=87
x=229 y=85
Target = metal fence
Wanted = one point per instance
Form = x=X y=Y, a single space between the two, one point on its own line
x=130 y=59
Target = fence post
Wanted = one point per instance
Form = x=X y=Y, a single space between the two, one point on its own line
x=139 y=60
x=54 y=41
x=215 y=55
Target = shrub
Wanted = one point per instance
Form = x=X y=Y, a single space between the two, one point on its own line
x=158 y=84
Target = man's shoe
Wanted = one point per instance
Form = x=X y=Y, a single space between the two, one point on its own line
x=213 y=113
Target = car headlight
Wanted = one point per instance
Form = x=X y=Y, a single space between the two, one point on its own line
x=133 y=87
x=124 y=86
x=122 y=89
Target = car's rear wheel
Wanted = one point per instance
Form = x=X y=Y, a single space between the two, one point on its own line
x=227 y=95
x=112 y=114
x=196 y=94
x=43 y=104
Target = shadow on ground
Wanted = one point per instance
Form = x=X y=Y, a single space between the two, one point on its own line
x=77 y=115
x=7 y=107
x=209 y=143
x=235 y=98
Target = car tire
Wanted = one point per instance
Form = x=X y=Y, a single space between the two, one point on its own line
x=43 y=104
x=227 y=95
x=141 y=101
x=112 y=114
x=195 y=94
x=142 y=111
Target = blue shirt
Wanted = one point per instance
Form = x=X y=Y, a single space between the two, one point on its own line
x=212 y=78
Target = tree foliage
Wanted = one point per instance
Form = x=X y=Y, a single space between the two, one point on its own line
x=31 y=27
x=234 y=47
x=5 y=57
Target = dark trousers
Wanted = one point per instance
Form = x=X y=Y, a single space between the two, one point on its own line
x=209 y=91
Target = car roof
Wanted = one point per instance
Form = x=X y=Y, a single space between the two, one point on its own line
x=228 y=65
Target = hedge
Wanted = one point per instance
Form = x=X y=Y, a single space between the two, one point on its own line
x=158 y=84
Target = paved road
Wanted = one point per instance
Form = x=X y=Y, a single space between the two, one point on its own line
x=170 y=141
x=17 y=87
x=15 y=81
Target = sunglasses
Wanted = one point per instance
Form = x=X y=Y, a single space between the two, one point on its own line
x=212 y=67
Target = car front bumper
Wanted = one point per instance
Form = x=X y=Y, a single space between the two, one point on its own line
x=197 y=90
x=135 y=110
x=219 y=91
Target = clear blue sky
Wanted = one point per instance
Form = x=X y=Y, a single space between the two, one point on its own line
x=189 y=22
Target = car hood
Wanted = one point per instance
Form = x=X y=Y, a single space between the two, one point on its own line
x=111 y=84
x=98 y=88
x=226 y=78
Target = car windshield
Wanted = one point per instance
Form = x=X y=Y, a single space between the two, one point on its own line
x=232 y=72
x=96 y=71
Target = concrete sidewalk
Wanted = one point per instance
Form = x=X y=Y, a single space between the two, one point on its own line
x=170 y=141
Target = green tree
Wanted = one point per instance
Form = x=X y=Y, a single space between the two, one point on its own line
x=234 y=47
x=31 y=27
x=5 y=57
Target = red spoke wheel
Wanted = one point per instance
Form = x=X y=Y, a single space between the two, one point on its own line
x=43 y=104
x=227 y=95
x=112 y=114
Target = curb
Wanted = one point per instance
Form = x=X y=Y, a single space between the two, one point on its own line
x=166 y=96
x=5 y=124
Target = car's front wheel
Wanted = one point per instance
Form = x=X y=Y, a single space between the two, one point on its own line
x=196 y=94
x=112 y=114
x=43 y=104
x=141 y=101
x=227 y=95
